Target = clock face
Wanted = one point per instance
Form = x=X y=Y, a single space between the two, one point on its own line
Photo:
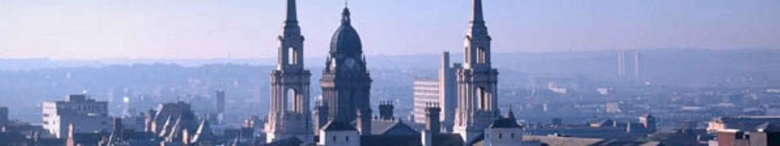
x=350 y=62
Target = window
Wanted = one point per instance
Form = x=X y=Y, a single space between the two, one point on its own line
x=500 y=135
x=334 y=138
x=483 y=96
x=293 y=56
x=481 y=55
x=291 y=100
x=347 y=138
x=468 y=53
x=513 y=135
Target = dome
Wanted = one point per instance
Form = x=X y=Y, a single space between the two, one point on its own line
x=346 y=38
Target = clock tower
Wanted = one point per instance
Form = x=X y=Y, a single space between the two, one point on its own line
x=346 y=82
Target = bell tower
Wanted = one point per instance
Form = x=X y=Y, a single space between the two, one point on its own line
x=477 y=81
x=290 y=115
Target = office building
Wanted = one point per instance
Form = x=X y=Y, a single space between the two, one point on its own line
x=3 y=116
x=86 y=114
x=426 y=92
x=628 y=64
x=448 y=90
x=220 y=106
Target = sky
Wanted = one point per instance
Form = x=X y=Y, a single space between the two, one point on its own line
x=247 y=29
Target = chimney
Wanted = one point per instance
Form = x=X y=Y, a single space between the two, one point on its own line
x=386 y=110
x=363 y=121
x=432 y=123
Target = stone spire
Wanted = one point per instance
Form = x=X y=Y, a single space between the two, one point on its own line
x=476 y=15
x=477 y=81
x=292 y=13
x=510 y=114
x=289 y=114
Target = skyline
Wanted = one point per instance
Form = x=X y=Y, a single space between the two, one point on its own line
x=247 y=29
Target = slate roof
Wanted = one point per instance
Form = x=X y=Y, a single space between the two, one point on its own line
x=505 y=123
x=447 y=139
x=292 y=141
x=338 y=126
x=391 y=140
x=769 y=127
x=410 y=140
x=391 y=127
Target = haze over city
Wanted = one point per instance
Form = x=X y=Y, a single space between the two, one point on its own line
x=389 y=73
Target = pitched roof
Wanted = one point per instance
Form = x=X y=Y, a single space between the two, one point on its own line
x=768 y=127
x=292 y=141
x=391 y=140
x=505 y=123
x=338 y=126
x=391 y=127
x=447 y=139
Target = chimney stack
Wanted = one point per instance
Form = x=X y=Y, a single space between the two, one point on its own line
x=432 y=123
x=386 y=108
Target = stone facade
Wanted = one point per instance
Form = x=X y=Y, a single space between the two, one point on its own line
x=477 y=81
x=290 y=114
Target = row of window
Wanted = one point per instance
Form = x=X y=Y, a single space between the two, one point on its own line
x=346 y=139
x=501 y=136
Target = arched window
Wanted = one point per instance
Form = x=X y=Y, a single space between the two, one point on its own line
x=483 y=96
x=291 y=100
x=293 y=56
x=481 y=55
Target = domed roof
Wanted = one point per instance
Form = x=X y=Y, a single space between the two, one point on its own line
x=346 y=38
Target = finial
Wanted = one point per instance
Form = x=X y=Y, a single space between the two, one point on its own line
x=345 y=14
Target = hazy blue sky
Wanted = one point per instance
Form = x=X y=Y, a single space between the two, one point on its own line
x=95 y=29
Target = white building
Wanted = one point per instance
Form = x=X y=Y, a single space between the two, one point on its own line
x=86 y=114
x=504 y=132
x=441 y=91
x=339 y=134
x=426 y=92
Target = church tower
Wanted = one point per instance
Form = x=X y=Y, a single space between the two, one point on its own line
x=477 y=81
x=290 y=115
x=346 y=82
